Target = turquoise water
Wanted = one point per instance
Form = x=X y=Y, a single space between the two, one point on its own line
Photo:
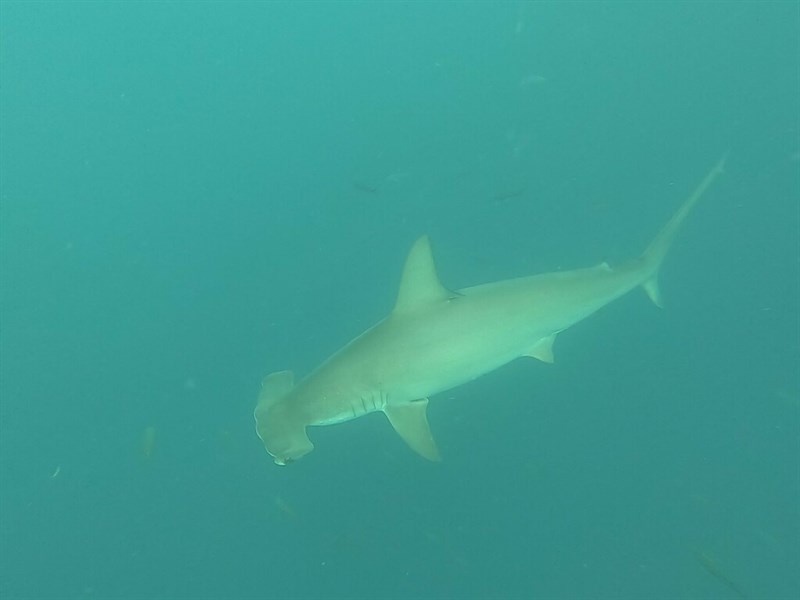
x=197 y=194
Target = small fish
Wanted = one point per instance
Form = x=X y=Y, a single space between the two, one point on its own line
x=148 y=442
x=506 y=195
x=711 y=565
x=532 y=80
x=364 y=187
x=284 y=507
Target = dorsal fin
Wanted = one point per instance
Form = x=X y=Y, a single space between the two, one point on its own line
x=420 y=284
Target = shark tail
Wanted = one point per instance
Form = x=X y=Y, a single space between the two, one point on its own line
x=655 y=253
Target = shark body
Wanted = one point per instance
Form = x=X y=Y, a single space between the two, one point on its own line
x=436 y=339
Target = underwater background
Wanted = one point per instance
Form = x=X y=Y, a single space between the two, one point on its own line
x=196 y=194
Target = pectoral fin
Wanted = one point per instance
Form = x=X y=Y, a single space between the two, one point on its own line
x=651 y=289
x=411 y=423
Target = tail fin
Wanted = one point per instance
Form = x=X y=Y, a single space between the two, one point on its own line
x=658 y=248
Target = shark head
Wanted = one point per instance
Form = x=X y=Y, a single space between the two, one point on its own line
x=283 y=434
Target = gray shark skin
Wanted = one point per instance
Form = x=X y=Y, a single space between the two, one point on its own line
x=436 y=339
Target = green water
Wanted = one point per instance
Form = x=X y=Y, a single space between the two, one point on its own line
x=194 y=195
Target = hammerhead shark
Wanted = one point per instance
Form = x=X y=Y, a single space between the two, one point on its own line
x=436 y=339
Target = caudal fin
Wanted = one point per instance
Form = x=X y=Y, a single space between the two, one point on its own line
x=654 y=255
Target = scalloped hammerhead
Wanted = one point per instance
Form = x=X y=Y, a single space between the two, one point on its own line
x=436 y=339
